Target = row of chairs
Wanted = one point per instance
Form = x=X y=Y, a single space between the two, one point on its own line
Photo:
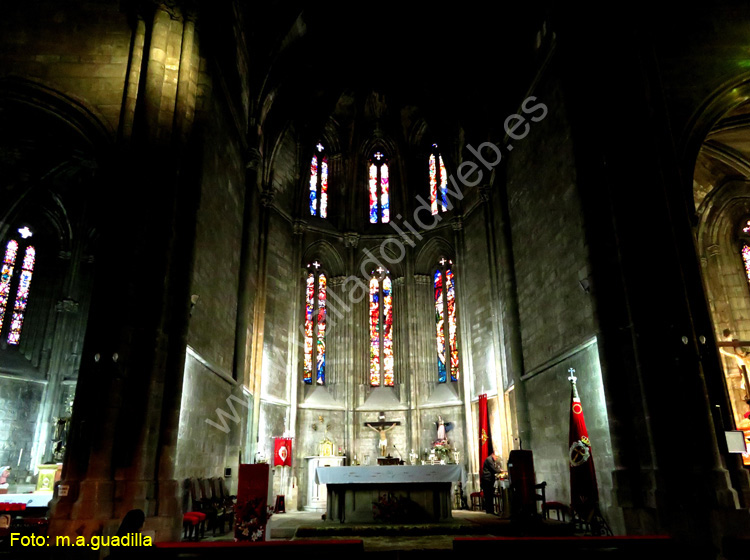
x=211 y=507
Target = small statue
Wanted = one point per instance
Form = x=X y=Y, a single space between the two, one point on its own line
x=443 y=428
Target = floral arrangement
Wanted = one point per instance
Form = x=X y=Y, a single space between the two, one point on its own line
x=250 y=520
x=442 y=448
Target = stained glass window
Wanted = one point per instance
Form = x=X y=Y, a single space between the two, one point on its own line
x=22 y=296
x=746 y=259
x=381 y=330
x=7 y=276
x=319 y=183
x=379 y=189
x=316 y=286
x=446 y=329
x=15 y=284
x=438 y=182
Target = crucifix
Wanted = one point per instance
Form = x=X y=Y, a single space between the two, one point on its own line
x=742 y=358
x=382 y=426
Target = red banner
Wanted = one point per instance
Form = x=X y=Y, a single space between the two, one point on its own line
x=282 y=455
x=485 y=434
x=584 y=492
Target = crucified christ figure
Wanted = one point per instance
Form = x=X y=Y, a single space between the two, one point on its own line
x=383 y=443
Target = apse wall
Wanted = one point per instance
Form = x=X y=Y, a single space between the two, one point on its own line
x=556 y=308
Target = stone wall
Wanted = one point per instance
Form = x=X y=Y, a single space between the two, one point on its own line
x=78 y=48
x=205 y=449
x=280 y=302
x=218 y=239
x=19 y=407
x=551 y=255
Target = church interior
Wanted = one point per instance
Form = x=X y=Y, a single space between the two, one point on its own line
x=387 y=233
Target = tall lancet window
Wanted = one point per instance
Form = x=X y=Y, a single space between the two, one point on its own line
x=319 y=182
x=379 y=189
x=15 y=284
x=446 y=329
x=381 y=329
x=438 y=182
x=744 y=235
x=316 y=286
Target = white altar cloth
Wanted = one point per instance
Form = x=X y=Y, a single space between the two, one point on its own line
x=390 y=474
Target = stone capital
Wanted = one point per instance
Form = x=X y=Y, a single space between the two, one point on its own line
x=266 y=197
x=351 y=239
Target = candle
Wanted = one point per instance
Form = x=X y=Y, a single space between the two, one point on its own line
x=19 y=458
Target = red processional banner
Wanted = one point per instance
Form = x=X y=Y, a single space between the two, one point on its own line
x=485 y=434
x=584 y=492
x=282 y=455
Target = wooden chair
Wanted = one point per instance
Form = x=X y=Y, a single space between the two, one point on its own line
x=202 y=504
x=230 y=501
x=213 y=503
x=541 y=497
x=476 y=500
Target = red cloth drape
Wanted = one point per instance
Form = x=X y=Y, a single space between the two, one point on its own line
x=251 y=510
x=282 y=455
x=584 y=492
x=485 y=434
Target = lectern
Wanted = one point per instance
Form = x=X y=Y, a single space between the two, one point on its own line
x=522 y=483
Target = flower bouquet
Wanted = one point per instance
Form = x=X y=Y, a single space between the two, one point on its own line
x=442 y=449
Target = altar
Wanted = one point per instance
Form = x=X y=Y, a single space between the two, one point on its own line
x=392 y=493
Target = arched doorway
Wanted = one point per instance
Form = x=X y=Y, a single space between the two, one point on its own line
x=50 y=150
x=721 y=194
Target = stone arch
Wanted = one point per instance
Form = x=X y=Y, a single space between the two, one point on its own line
x=328 y=255
x=430 y=253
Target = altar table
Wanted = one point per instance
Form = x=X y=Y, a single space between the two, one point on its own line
x=389 y=493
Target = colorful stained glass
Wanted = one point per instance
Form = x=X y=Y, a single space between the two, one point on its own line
x=746 y=228
x=443 y=186
x=324 y=187
x=746 y=259
x=373 y=193
x=309 y=307
x=440 y=325
x=388 y=377
x=433 y=185
x=6 y=276
x=374 y=332
x=22 y=295
x=385 y=204
x=450 y=292
x=314 y=186
x=322 y=284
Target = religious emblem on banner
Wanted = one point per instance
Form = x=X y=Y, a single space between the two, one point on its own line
x=484 y=437
x=579 y=453
x=282 y=452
